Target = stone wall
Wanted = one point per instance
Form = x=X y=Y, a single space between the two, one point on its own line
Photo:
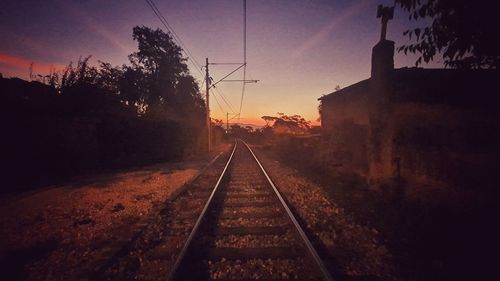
x=345 y=128
x=415 y=142
x=411 y=125
x=454 y=146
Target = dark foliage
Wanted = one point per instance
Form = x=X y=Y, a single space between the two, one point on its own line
x=284 y=124
x=465 y=32
x=88 y=118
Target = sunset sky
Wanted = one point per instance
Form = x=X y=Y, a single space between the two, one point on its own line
x=298 y=49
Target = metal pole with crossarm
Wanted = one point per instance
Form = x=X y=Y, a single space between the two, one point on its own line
x=207 y=84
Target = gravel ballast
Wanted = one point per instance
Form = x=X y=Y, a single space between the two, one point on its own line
x=64 y=232
x=358 y=250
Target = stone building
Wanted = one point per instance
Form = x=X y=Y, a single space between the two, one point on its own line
x=421 y=126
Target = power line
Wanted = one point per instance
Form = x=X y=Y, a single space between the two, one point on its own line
x=245 y=31
x=221 y=95
x=240 y=80
x=202 y=84
x=220 y=80
x=225 y=100
x=171 y=29
x=225 y=63
x=217 y=101
x=176 y=37
x=244 y=55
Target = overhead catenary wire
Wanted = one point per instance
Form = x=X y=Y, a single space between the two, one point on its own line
x=202 y=84
x=224 y=99
x=221 y=95
x=220 y=80
x=244 y=56
x=195 y=63
x=171 y=29
x=220 y=107
x=225 y=63
x=235 y=116
x=176 y=37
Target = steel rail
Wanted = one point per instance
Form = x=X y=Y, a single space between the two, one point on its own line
x=326 y=274
x=199 y=220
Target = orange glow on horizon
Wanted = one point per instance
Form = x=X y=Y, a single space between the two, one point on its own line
x=257 y=121
x=21 y=65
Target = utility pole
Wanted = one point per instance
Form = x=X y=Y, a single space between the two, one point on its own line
x=233 y=115
x=223 y=79
x=207 y=84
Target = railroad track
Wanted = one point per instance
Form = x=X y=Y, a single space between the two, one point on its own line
x=245 y=231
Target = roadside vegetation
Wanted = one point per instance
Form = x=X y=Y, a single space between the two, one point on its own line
x=88 y=118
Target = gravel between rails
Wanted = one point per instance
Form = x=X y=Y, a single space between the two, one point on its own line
x=259 y=245
x=255 y=241
x=253 y=222
x=250 y=210
x=256 y=269
x=254 y=199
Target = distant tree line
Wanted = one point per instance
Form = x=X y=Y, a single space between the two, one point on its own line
x=87 y=118
x=290 y=137
x=277 y=128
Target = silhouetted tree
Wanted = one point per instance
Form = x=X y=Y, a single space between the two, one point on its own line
x=187 y=100
x=465 y=32
x=284 y=124
x=160 y=62
x=109 y=77
x=88 y=117
x=79 y=74
x=133 y=88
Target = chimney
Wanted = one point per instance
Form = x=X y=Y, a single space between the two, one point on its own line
x=383 y=51
x=382 y=59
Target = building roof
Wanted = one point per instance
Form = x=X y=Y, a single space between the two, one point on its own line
x=354 y=88
x=437 y=86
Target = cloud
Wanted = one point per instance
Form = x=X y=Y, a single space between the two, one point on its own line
x=38 y=48
x=323 y=33
x=93 y=25
x=19 y=66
